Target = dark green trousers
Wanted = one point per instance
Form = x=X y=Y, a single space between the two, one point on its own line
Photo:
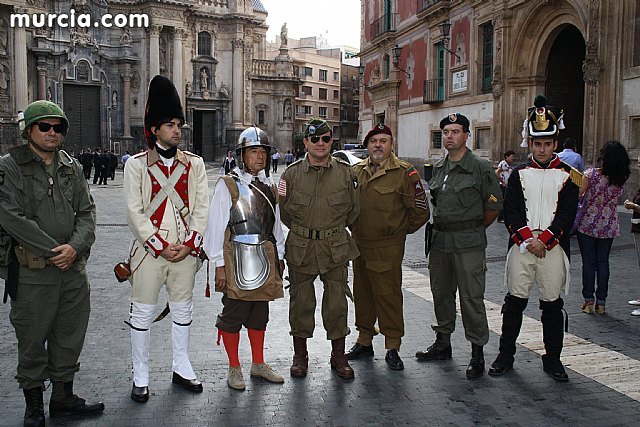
x=302 y=304
x=451 y=272
x=50 y=322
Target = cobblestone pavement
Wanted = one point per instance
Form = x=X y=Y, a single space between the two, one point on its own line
x=601 y=353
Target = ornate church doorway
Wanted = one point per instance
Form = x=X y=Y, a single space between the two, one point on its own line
x=565 y=84
x=82 y=107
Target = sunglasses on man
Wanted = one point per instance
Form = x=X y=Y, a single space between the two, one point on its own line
x=44 y=127
x=315 y=139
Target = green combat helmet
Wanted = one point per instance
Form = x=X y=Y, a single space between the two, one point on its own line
x=39 y=110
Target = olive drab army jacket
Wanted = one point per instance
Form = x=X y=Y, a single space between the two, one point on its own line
x=323 y=201
x=41 y=212
x=393 y=203
x=461 y=192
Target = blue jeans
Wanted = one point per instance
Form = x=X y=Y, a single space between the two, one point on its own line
x=595 y=262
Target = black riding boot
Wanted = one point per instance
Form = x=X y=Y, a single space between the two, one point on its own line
x=439 y=350
x=476 y=365
x=511 y=323
x=553 y=336
x=34 y=413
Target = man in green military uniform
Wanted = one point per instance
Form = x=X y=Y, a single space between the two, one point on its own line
x=466 y=199
x=319 y=198
x=48 y=212
x=393 y=204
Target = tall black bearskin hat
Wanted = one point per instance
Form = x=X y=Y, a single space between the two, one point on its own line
x=542 y=120
x=163 y=105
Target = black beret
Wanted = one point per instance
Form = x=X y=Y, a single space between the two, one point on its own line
x=455 y=119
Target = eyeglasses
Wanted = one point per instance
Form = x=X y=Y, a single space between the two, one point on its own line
x=315 y=139
x=46 y=127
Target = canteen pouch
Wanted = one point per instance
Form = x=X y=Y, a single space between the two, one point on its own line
x=122 y=270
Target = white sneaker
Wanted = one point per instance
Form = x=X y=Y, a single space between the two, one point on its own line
x=235 y=378
x=265 y=371
x=636 y=312
x=634 y=302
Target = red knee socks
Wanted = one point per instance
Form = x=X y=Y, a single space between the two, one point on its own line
x=256 y=338
x=231 y=341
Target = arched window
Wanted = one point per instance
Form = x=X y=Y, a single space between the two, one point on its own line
x=204 y=43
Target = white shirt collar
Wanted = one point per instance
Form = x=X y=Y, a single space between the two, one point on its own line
x=246 y=177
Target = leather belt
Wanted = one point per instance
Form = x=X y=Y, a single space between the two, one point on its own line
x=315 y=234
x=457 y=226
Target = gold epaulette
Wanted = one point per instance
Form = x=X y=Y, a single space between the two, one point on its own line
x=576 y=176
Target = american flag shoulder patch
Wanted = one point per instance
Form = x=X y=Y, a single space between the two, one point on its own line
x=282 y=188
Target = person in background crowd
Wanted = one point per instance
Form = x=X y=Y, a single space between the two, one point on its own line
x=113 y=164
x=274 y=160
x=635 y=229
x=244 y=240
x=569 y=155
x=96 y=166
x=86 y=160
x=288 y=158
x=539 y=209
x=601 y=188
x=229 y=163
x=125 y=157
x=46 y=279
x=466 y=200
x=504 y=170
x=393 y=203
x=103 y=168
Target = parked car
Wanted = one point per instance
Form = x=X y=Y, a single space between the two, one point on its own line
x=347 y=156
x=361 y=153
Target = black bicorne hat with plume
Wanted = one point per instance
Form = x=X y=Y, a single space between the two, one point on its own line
x=542 y=120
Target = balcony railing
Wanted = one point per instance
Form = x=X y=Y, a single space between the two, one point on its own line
x=384 y=24
x=428 y=7
x=433 y=91
x=262 y=67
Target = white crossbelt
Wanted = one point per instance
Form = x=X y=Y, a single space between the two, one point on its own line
x=167 y=190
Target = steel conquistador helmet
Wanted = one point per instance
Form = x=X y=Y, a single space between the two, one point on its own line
x=253 y=137
x=39 y=110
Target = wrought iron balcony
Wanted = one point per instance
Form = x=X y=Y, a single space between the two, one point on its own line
x=433 y=92
x=385 y=24
x=428 y=7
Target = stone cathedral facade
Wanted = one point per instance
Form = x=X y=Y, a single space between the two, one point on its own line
x=213 y=50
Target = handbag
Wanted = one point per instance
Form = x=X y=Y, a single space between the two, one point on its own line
x=582 y=209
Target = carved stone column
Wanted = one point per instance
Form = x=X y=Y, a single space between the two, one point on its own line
x=19 y=43
x=42 y=79
x=154 y=50
x=238 y=82
x=177 y=63
x=126 y=100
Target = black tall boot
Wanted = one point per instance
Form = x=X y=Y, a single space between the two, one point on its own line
x=553 y=336
x=34 y=412
x=476 y=365
x=511 y=323
x=64 y=402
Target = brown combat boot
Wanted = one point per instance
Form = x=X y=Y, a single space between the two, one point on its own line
x=339 y=360
x=300 y=358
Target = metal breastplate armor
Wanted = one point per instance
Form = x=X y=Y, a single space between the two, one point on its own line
x=251 y=223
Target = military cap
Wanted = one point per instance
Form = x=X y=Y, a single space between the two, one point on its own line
x=317 y=127
x=455 y=119
x=379 y=128
x=542 y=120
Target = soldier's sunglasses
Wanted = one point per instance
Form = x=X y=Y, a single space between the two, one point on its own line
x=315 y=139
x=45 y=127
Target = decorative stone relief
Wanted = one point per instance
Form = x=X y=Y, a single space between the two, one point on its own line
x=534 y=28
x=591 y=67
